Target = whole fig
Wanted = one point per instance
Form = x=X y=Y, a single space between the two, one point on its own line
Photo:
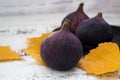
x=75 y=17
x=61 y=50
x=93 y=31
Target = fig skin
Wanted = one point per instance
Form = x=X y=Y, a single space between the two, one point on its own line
x=93 y=31
x=62 y=50
x=75 y=17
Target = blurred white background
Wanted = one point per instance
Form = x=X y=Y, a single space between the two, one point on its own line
x=16 y=7
x=40 y=16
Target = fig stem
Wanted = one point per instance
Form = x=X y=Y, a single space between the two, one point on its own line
x=65 y=25
x=80 y=8
x=99 y=14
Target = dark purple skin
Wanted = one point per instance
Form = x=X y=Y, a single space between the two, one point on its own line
x=93 y=31
x=62 y=50
x=75 y=18
x=116 y=39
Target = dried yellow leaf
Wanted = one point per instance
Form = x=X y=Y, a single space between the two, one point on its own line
x=34 y=47
x=37 y=39
x=105 y=58
x=7 y=55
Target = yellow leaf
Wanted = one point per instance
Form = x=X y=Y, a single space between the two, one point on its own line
x=7 y=55
x=37 y=39
x=34 y=47
x=105 y=58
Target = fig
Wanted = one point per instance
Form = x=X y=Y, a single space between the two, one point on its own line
x=61 y=50
x=93 y=31
x=75 y=17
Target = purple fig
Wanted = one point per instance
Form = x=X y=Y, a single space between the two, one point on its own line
x=76 y=17
x=93 y=31
x=62 y=50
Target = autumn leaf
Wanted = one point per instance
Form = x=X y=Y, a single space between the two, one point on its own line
x=7 y=55
x=105 y=58
x=34 y=47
